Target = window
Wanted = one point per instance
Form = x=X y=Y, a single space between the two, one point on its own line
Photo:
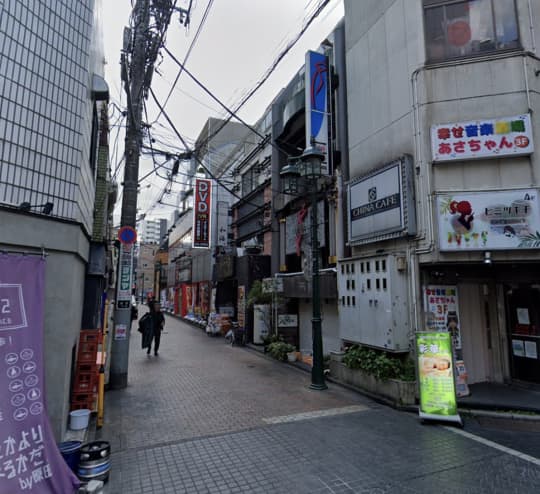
x=474 y=27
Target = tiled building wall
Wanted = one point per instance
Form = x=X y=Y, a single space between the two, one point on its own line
x=45 y=109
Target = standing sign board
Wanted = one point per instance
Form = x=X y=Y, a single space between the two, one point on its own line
x=436 y=373
x=30 y=458
x=201 y=214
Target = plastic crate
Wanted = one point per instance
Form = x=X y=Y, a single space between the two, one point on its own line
x=85 y=382
x=89 y=336
x=87 y=352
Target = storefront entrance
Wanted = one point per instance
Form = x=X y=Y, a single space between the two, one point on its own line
x=523 y=323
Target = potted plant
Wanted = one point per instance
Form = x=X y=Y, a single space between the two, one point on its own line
x=280 y=350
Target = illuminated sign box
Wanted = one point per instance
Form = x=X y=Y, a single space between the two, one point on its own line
x=485 y=138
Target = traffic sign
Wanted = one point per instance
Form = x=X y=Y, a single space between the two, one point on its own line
x=127 y=235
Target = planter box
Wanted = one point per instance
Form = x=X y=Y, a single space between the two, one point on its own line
x=399 y=392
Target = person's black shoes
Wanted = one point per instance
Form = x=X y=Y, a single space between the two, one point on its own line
x=156 y=354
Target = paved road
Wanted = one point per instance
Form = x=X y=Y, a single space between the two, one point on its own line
x=204 y=417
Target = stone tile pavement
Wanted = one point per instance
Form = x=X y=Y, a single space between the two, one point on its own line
x=204 y=417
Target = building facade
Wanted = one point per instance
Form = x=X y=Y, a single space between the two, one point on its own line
x=152 y=231
x=50 y=93
x=443 y=192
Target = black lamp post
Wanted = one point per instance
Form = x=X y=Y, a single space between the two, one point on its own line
x=310 y=169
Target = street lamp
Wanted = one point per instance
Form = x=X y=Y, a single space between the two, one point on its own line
x=310 y=170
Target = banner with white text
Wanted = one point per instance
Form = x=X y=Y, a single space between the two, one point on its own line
x=30 y=460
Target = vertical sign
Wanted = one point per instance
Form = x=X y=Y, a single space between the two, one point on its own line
x=201 y=214
x=123 y=297
x=222 y=224
x=317 y=107
x=30 y=459
x=241 y=306
x=436 y=373
x=441 y=302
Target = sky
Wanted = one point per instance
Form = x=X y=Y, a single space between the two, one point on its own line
x=238 y=42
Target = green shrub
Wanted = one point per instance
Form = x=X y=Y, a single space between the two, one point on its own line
x=280 y=349
x=379 y=364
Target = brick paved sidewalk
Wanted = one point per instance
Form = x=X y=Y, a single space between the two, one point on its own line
x=204 y=417
x=200 y=386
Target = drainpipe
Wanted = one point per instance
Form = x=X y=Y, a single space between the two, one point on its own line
x=531 y=27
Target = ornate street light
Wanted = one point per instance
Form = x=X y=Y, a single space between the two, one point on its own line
x=312 y=159
x=310 y=170
x=290 y=175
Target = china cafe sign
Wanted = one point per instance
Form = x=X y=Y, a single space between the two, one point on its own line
x=487 y=138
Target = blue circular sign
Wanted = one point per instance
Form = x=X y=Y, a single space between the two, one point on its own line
x=127 y=235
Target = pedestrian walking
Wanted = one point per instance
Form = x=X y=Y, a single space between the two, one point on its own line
x=158 y=322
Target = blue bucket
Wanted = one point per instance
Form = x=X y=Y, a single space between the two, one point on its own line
x=71 y=451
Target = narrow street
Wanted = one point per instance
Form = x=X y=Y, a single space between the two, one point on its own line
x=204 y=417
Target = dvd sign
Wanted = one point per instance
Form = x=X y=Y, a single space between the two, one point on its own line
x=201 y=216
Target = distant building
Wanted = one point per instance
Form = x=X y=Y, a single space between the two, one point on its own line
x=152 y=231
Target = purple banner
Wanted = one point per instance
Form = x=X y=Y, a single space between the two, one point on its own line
x=30 y=460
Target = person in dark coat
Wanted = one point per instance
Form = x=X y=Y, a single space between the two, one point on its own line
x=158 y=322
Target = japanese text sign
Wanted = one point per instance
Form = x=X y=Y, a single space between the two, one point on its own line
x=436 y=374
x=486 y=138
x=125 y=264
x=30 y=460
x=441 y=305
x=201 y=213
x=489 y=220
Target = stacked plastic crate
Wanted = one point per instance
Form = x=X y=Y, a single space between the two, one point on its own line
x=86 y=374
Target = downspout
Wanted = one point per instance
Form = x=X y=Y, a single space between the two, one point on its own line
x=531 y=28
x=426 y=233
x=343 y=142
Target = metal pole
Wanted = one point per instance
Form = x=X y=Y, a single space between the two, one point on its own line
x=134 y=90
x=317 y=371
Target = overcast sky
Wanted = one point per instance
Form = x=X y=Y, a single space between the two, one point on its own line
x=238 y=42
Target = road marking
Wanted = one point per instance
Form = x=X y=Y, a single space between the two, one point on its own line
x=500 y=447
x=315 y=414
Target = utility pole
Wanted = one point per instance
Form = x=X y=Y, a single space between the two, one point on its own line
x=133 y=77
x=150 y=20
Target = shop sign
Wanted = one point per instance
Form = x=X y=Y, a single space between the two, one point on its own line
x=241 y=305
x=30 y=458
x=486 y=138
x=436 y=373
x=317 y=107
x=489 y=220
x=287 y=320
x=441 y=305
x=201 y=213
x=125 y=263
x=298 y=230
x=381 y=204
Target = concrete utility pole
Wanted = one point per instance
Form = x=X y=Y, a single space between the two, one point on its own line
x=134 y=81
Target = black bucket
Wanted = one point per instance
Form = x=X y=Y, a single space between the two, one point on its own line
x=95 y=461
x=71 y=451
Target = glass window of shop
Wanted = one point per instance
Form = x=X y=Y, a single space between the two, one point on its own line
x=455 y=29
